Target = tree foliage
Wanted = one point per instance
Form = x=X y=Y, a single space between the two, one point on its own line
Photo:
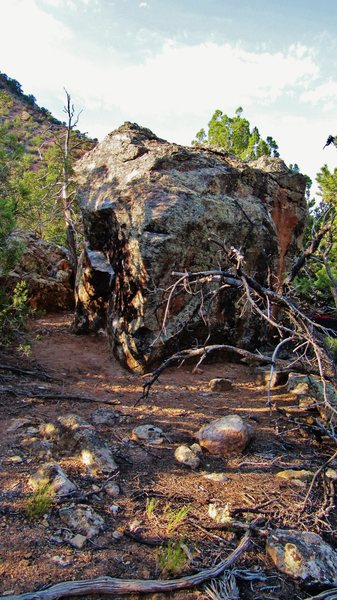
x=234 y=135
x=317 y=283
x=11 y=153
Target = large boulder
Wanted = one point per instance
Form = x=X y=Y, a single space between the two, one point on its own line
x=149 y=208
x=45 y=268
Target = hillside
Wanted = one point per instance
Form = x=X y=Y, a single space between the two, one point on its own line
x=32 y=155
x=34 y=126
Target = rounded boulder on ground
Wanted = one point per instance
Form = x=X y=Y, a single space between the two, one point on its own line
x=224 y=436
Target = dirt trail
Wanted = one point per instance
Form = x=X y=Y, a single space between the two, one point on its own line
x=36 y=553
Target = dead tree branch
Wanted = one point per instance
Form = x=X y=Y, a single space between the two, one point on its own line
x=111 y=585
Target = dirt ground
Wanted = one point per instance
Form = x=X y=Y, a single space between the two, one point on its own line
x=35 y=553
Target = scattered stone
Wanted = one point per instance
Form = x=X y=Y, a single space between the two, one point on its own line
x=331 y=474
x=38 y=447
x=53 y=474
x=15 y=459
x=48 y=431
x=224 y=436
x=78 y=436
x=136 y=454
x=32 y=431
x=148 y=433
x=186 y=456
x=196 y=448
x=83 y=520
x=278 y=377
x=61 y=561
x=112 y=489
x=220 y=384
x=294 y=475
x=302 y=555
x=220 y=514
x=104 y=416
x=19 y=423
x=117 y=535
x=78 y=541
x=306 y=402
x=298 y=384
x=56 y=539
x=114 y=509
x=217 y=477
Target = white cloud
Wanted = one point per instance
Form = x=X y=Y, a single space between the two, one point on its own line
x=324 y=94
x=173 y=92
x=143 y=5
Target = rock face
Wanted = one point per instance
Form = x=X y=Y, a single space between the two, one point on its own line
x=149 y=208
x=45 y=268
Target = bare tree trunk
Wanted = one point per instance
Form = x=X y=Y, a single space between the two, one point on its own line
x=66 y=201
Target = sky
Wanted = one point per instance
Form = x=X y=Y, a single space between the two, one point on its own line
x=169 y=64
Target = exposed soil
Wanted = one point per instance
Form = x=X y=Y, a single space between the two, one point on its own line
x=36 y=553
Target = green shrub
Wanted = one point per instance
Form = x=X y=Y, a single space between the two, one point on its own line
x=332 y=345
x=14 y=311
x=173 y=559
x=41 y=501
x=175 y=517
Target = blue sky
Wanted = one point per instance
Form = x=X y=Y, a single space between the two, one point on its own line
x=168 y=64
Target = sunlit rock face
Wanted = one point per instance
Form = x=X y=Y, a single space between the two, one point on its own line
x=149 y=208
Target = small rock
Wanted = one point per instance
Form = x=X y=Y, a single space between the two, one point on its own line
x=331 y=474
x=112 y=489
x=218 y=477
x=196 y=448
x=104 y=416
x=220 y=514
x=77 y=436
x=117 y=535
x=19 y=423
x=60 y=561
x=114 y=509
x=294 y=475
x=78 y=541
x=135 y=524
x=56 y=539
x=224 y=436
x=185 y=456
x=278 y=377
x=83 y=520
x=220 y=384
x=15 y=459
x=53 y=474
x=302 y=555
x=48 y=431
x=147 y=433
x=32 y=431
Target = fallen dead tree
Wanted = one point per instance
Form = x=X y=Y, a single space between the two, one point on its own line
x=305 y=339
